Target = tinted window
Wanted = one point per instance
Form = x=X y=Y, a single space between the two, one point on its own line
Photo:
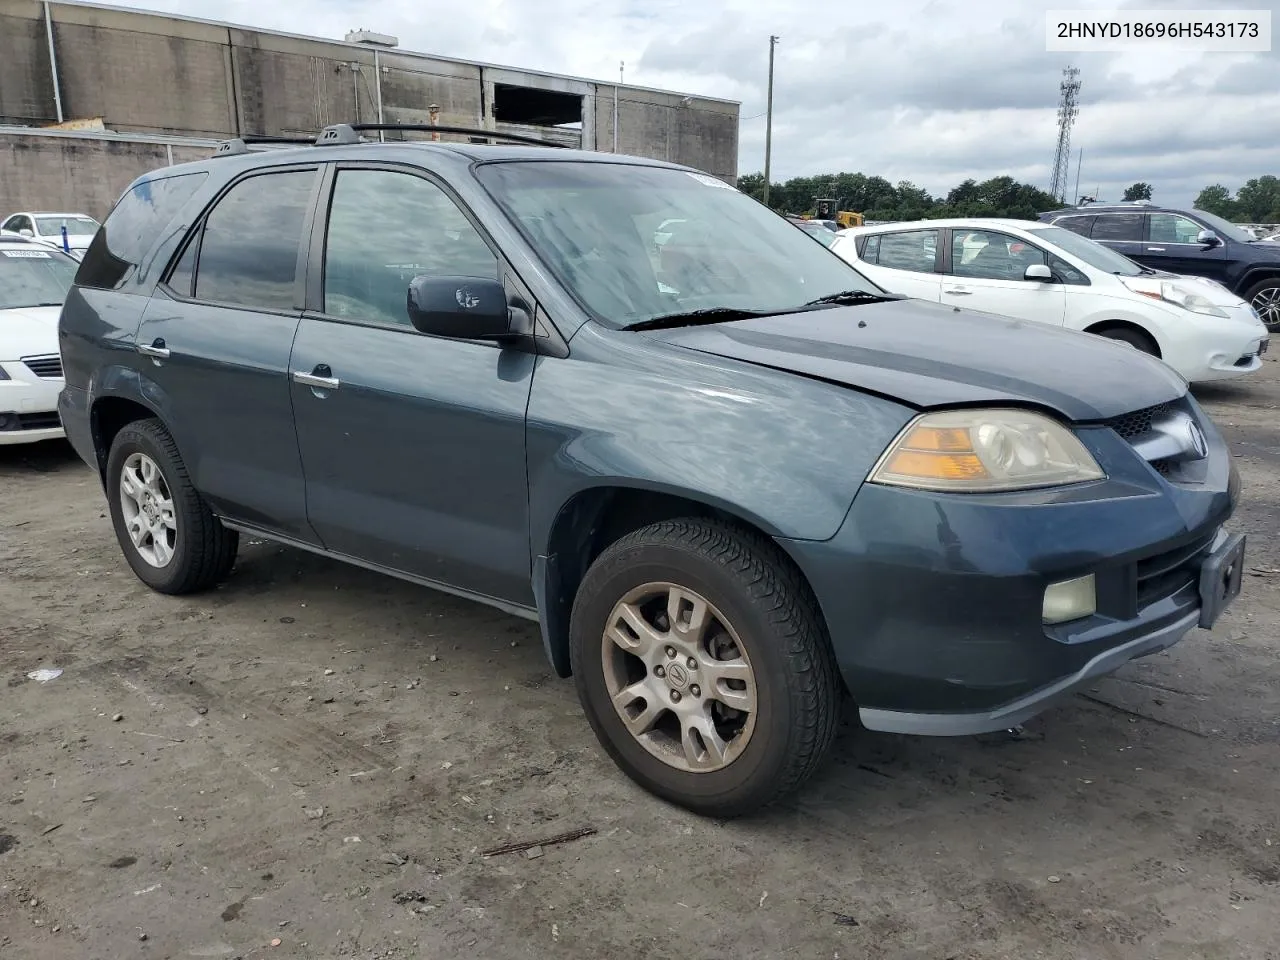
x=871 y=248
x=1080 y=225
x=135 y=223
x=992 y=256
x=249 y=250
x=1171 y=228
x=416 y=231
x=915 y=250
x=1118 y=226
x=184 y=271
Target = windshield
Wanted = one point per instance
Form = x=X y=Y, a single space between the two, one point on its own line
x=34 y=278
x=76 y=226
x=634 y=243
x=1225 y=228
x=817 y=231
x=1091 y=252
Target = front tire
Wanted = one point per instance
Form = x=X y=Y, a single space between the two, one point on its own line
x=1134 y=338
x=703 y=665
x=169 y=536
x=1264 y=297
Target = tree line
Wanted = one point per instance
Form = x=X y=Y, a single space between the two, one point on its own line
x=1258 y=201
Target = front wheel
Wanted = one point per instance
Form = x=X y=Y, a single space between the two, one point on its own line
x=1264 y=297
x=168 y=535
x=704 y=667
x=1134 y=338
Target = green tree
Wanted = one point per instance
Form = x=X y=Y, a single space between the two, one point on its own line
x=1216 y=199
x=1139 y=191
x=1258 y=200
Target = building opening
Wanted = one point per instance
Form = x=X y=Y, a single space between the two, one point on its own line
x=541 y=108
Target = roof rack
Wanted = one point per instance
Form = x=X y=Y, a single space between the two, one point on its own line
x=346 y=133
x=240 y=145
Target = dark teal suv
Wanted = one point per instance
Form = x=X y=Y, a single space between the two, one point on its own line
x=732 y=480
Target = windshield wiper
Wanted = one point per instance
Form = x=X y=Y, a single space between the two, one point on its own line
x=851 y=296
x=693 y=317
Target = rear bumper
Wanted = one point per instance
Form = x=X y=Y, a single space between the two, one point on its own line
x=934 y=602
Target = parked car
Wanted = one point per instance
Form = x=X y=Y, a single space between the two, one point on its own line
x=730 y=487
x=1185 y=241
x=47 y=228
x=1033 y=271
x=34 y=281
x=818 y=231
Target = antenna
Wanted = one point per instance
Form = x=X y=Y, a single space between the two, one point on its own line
x=1068 y=110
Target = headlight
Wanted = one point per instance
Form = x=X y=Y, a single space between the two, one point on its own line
x=980 y=451
x=1180 y=297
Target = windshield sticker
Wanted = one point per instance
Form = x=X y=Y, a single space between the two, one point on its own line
x=710 y=181
x=26 y=254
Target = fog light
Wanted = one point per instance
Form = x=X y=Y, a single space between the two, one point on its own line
x=1069 y=600
x=9 y=421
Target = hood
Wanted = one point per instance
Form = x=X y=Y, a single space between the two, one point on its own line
x=28 y=331
x=927 y=355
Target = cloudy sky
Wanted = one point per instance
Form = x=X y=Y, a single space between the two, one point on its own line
x=932 y=91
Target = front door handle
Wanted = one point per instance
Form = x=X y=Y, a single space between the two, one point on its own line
x=321 y=378
x=957 y=291
x=154 y=349
x=1155 y=249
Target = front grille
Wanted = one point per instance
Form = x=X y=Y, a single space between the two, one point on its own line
x=1133 y=425
x=46 y=367
x=1166 y=573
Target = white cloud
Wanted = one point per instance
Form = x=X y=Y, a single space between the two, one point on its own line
x=926 y=90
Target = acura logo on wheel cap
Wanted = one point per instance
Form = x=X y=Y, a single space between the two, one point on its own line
x=676 y=675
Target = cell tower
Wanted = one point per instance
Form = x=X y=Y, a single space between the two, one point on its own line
x=1068 y=109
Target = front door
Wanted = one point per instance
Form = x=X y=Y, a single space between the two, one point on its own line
x=413 y=445
x=1171 y=245
x=215 y=342
x=987 y=273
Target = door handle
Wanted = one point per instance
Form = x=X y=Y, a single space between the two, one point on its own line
x=154 y=349
x=319 y=378
x=1155 y=249
x=957 y=291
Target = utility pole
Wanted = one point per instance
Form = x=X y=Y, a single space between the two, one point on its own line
x=1079 y=164
x=622 y=66
x=768 y=123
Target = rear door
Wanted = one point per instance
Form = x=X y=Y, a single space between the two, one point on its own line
x=1171 y=245
x=903 y=262
x=986 y=272
x=215 y=343
x=1122 y=232
x=413 y=445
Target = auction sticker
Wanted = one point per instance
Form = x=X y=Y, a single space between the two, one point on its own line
x=709 y=181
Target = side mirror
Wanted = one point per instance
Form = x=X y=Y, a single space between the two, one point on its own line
x=1039 y=273
x=27 y=232
x=465 y=308
x=1208 y=238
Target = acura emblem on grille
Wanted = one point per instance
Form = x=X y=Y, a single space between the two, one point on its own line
x=1172 y=436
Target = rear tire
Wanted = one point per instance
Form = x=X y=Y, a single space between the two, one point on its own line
x=746 y=710
x=1134 y=338
x=167 y=532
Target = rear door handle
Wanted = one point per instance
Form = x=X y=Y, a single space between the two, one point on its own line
x=155 y=349
x=956 y=291
x=320 y=377
x=1155 y=249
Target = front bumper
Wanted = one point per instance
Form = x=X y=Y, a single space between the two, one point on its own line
x=28 y=406
x=934 y=602
x=1220 y=349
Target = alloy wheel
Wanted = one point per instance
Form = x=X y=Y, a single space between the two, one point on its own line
x=1267 y=303
x=147 y=506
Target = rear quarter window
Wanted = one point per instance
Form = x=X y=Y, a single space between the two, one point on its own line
x=135 y=224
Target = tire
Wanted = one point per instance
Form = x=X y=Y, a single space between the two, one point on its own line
x=758 y=605
x=1264 y=297
x=1134 y=338
x=195 y=551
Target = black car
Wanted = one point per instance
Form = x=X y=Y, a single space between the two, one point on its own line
x=1185 y=241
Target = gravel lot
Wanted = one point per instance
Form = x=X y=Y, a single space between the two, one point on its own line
x=310 y=761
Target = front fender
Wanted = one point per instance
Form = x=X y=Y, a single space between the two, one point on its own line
x=784 y=452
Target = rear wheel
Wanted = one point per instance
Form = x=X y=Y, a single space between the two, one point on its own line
x=168 y=535
x=704 y=667
x=1134 y=338
x=1264 y=297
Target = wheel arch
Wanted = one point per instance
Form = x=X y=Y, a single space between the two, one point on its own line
x=1257 y=274
x=1102 y=326
x=110 y=414
x=593 y=519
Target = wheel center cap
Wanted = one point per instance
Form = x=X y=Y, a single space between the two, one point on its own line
x=677 y=676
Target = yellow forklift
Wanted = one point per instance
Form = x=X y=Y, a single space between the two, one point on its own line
x=828 y=210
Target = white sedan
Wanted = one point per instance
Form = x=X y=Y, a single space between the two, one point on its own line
x=33 y=283
x=47 y=228
x=1034 y=271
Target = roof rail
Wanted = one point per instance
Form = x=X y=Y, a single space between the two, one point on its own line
x=240 y=145
x=346 y=133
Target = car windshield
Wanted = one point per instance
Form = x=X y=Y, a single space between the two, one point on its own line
x=636 y=243
x=1225 y=228
x=76 y=226
x=33 y=278
x=1091 y=252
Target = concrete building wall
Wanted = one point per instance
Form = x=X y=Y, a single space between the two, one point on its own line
x=667 y=126
x=26 y=81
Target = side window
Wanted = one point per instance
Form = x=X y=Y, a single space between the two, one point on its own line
x=135 y=223
x=419 y=231
x=1066 y=272
x=1171 y=228
x=870 y=248
x=914 y=250
x=1118 y=226
x=184 y=271
x=249 y=248
x=983 y=255
x=1080 y=225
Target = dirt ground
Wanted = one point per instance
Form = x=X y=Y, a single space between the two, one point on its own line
x=310 y=761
